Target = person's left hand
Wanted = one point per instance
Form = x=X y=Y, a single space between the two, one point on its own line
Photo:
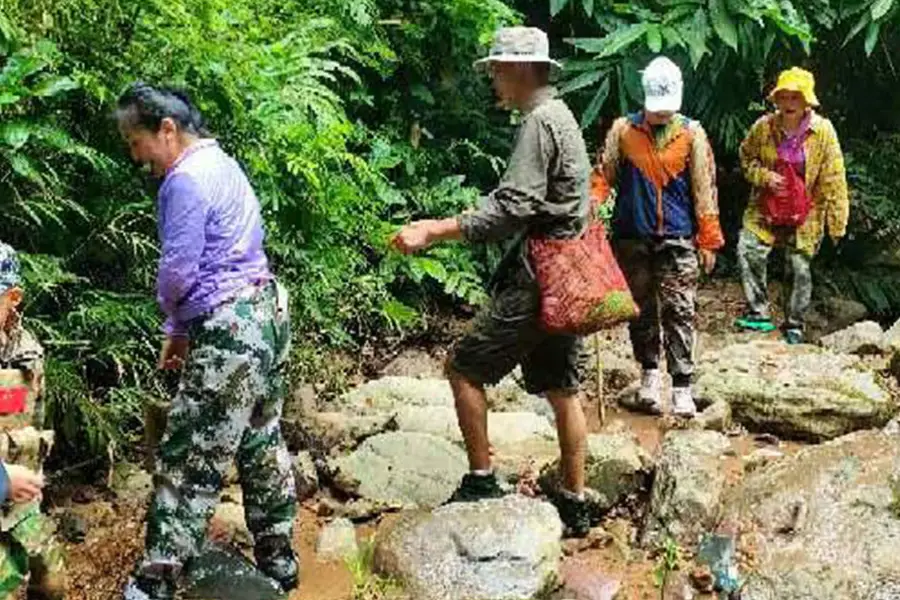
x=707 y=260
x=413 y=237
x=173 y=353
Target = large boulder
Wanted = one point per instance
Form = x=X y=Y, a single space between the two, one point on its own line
x=822 y=524
x=505 y=428
x=798 y=392
x=865 y=337
x=409 y=469
x=616 y=467
x=505 y=549
x=688 y=487
x=337 y=541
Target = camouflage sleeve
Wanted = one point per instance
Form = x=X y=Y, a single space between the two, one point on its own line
x=522 y=191
x=29 y=354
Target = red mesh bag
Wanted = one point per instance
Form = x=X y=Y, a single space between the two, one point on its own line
x=790 y=205
x=582 y=288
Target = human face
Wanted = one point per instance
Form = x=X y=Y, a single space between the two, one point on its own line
x=791 y=104
x=158 y=150
x=504 y=77
x=661 y=117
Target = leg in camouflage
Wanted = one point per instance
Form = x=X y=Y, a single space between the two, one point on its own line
x=678 y=272
x=30 y=552
x=799 y=268
x=753 y=257
x=637 y=258
x=228 y=406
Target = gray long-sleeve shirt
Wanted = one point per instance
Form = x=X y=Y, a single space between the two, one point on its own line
x=544 y=192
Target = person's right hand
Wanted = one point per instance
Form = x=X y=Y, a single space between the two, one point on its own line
x=24 y=484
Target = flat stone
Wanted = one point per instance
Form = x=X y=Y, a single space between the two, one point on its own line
x=504 y=549
x=410 y=469
x=796 y=392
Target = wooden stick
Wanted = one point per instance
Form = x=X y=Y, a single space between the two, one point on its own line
x=599 y=366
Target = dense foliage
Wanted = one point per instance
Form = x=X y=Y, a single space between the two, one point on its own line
x=351 y=117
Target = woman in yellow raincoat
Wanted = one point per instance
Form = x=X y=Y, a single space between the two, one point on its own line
x=796 y=136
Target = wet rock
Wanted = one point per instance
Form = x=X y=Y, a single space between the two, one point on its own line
x=306 y=477
x=505 y=549
x=411 y=469
x=337 y=541
x=866 y=337
x=820 y=524
x=715 y=417
x=222 y=574
x=616 y=467
x=688 y=487
x=798 y=392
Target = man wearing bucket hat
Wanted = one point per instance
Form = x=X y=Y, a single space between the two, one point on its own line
x=543 y=193
x=794 y=142
x=29 y=553
x=661 y=164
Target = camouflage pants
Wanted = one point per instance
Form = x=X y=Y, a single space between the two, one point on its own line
x=29 y=552
x=753 y=257
x=663 y=278
x=228 y=407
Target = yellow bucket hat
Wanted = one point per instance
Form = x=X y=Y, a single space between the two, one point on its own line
x=797 y=80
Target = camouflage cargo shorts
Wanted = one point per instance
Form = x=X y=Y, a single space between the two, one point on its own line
x=508 y=332
x=29 y=549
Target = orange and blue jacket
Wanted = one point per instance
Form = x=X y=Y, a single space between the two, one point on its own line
x=665 y=181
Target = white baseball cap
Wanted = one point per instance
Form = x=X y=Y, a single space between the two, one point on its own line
x=663 y=86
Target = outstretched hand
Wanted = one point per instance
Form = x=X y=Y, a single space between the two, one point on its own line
x=413 y=237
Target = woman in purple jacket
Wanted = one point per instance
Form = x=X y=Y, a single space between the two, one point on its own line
x=228 y=330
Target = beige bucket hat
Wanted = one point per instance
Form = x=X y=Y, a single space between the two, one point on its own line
x=519 y=45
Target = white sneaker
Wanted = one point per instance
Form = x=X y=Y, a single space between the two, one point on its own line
x=683 y=403
x=649 y=396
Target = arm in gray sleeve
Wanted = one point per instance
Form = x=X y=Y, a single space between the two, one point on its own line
x=522 y=191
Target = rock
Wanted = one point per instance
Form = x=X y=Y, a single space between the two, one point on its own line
x=688 y=487
x=224 y=574
x=412 y=469
x=359 y=509
x=504 y=549
x=760 y=458
x=130 y=482
x=524 y=460
x=229 y=527
x=841 y=313
x=703 y=580
x=718 y=553
x=73 y=528
x=337 y=541
x=715 y=417
x=306 y=476
x=820 y=524
x=866 y=337
x=388 y=394
x=509 y=396
x=893 y=428
x=505 y=428
x=679 y=587
x=616 y=467
x=583 y=582
x=892 y=338
x=800 y=392
x=413 y=362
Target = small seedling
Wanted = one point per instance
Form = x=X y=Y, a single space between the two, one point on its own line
x=669 y=560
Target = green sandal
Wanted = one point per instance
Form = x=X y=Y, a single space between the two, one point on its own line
x=760 y=324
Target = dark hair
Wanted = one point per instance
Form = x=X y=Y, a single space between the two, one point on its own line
x=143 y=105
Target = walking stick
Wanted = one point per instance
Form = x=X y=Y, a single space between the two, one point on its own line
x=599 y=366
